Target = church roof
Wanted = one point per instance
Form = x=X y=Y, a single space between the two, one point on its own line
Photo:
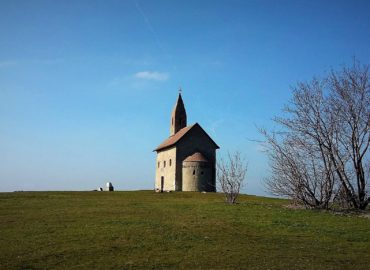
x=196 y=157
x=172 y=140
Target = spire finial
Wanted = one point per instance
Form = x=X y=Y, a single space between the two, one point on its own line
x=180 y=90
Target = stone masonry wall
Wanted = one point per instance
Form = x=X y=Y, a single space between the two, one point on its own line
x=196 y=176
x=168 y=172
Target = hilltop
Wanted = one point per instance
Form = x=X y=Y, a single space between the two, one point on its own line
x=147 y=230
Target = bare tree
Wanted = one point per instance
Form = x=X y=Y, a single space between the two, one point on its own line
x=231 y=175
x=350 y=100
x=298 y=173
x=321 y=152
x=299 y=158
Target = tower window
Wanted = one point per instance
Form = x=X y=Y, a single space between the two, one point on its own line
x=194 y=172
x=159 y=163
x=164 y=164
x=170 y=162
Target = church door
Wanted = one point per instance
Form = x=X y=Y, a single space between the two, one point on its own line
x=162 y=183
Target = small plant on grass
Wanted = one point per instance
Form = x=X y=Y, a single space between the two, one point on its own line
x=231 y=175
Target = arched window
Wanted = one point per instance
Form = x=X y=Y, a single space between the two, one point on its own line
x=159 y=163
x=170 y=162
x=194 y=172
x=164 y=164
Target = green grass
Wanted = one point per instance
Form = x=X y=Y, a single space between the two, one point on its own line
x=147 y=230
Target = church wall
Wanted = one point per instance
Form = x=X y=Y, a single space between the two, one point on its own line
x=196 y=141
x=196 y=176
x=168 y=172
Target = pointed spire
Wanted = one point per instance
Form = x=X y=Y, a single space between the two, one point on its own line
x=179 y=103
x=178 y=116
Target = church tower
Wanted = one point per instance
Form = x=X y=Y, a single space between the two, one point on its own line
x=178 y=116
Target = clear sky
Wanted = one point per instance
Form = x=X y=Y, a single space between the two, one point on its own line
x=87 y=87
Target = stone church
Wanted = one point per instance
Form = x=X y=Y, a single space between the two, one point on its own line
x=186 y=161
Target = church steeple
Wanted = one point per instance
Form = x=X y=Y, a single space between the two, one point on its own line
x=178 y=116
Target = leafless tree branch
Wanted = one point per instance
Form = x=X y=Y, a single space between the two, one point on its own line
x=231 y=176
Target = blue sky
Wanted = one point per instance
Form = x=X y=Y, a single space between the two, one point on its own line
x=87 y=87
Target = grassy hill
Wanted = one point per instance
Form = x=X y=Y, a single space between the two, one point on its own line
x=146 y=230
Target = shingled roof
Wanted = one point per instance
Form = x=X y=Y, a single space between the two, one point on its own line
x=196 y=157
x=172 y=140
